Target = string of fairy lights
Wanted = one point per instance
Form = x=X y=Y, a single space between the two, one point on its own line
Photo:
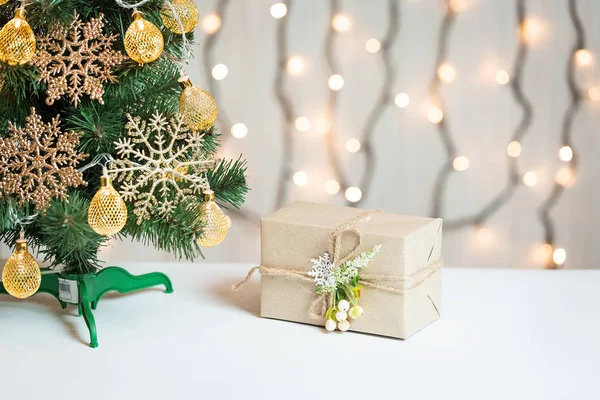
x=565 y=176
x=383 y=100
x=445 y=73
x=285 y=104
x=530 y=32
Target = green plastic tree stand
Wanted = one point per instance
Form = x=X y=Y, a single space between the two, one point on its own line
x=91 y=287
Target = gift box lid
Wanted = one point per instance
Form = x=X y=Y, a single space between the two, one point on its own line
x=300 y=231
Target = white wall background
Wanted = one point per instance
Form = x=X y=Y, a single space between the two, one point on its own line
x=481 y=113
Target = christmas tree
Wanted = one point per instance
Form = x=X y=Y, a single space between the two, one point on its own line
x=102 y=135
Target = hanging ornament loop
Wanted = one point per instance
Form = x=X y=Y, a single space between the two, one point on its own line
x=21 y=222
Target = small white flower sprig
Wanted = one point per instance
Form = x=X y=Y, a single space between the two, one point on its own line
x=342 y=283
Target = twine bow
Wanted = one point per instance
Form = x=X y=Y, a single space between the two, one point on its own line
x=318 y=307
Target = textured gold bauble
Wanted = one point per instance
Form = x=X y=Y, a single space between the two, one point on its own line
x=107 y=214
x=143 y=40
x=17 y=41
x=21 y=275
x=198 y=108
x=187 y=12
x=216 y=223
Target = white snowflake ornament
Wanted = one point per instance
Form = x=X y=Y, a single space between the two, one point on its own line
x=161 y=165
x=322 y=273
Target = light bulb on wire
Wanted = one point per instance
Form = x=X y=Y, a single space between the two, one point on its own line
x=215 y=224
x=332 y=187
x=543 y=253
x=197 y=107
x=211 y=23
x=484 y=236
x=17 y=40
x=220 y=72
x=352 y=145
x=300 y=178
x=335 y=82
x=559 y=256
x=341 y=23
x=107 y=214
x=584 y=58
x=435 y=115
x=502 y=77
x=278 y=10
x=239 y=130
x=295 y=65
x=373 y=46
x=188 y=14
x=447 y=73
x=461 y=163
x=565 y=177
x=532 y=30
x=21 y=275
x=565 y=153
x=458 y=5
x=402 y=100
x=143 y=41
x=353 y=194
x=302 y=124
x=514 y=149
x=530 y=178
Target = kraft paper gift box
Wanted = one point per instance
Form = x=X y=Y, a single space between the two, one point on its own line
x=410 y=246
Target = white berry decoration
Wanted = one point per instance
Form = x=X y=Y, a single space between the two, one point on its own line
x=341 y=315
x=330 y=325
x=343 y=305
x=343 y=325
x=356 y=312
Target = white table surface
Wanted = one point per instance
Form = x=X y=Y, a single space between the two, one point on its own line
x=504 y=334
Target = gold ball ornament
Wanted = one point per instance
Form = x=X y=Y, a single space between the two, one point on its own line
x=107 y=214
x=21 y=275
x=143 y=40
x=216 y=223
x=17 y=41
x=197 y=107
x=187 y=12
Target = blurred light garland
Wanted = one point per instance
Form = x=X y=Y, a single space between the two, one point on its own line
x=384 y=99
x=208 y=49
x=437 y=114
x=285 y=104
x=440 y=117
x=514 y=176
x=566 y=140
x=331 y=109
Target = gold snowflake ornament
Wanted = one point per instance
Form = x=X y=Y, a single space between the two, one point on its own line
x=162 y=165
x=77 y=60
x=38 y=162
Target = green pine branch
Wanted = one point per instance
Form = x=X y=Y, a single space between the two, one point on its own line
x=177 y=235
x=66 y=239
x=228 y=181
